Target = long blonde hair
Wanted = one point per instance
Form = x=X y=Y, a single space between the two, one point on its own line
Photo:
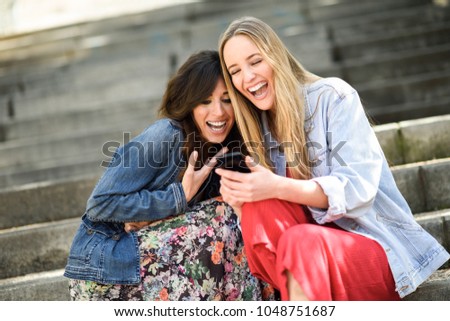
x=287 y=116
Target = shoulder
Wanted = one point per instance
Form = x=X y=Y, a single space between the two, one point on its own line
x=332 y=87
x=160 y=130
x=331 y=97
x=327 y=93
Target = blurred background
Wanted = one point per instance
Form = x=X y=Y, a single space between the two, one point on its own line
x=18 y=16
x=77 y=74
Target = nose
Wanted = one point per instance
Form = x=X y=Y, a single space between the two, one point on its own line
x=248 y=74
x=218 y=108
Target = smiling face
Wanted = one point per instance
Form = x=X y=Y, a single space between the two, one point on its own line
x=214 y=117
x=250 y=72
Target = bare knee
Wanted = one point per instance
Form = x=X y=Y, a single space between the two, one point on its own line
x=295 y=291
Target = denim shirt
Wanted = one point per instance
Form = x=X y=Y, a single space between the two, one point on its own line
x=140 y=184
x=352 y=170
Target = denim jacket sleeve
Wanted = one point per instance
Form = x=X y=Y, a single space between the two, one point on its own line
x=140 y=183
x=351 y=160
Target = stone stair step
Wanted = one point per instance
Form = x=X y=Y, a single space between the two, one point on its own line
x=436 y=288
x=83 y=86
x=124 y=114
x=84 y=165
x=43 y=286
x=389 y=42
x=36 y=248
x=394 y=20
x=27 y=153
x=46 y=201
x=412 y=141
x=425 y=185
x=342 y=10
x=419 y=88
x=410 y=110
x=437 y=224
x=392 y=66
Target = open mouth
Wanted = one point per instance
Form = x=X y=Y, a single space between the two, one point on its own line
x=216 y=126
x=258 y=90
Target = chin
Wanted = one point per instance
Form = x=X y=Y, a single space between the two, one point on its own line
x=215 y=140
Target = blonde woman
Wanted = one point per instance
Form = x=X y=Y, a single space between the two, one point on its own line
x=321 y=215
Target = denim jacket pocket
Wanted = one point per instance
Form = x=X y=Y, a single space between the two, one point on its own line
x=97 y=255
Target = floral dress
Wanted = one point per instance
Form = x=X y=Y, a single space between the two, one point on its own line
x=195 y=256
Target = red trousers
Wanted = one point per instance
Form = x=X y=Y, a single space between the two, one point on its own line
x=328 y=262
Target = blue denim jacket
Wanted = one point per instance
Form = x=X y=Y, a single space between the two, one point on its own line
x=353 y=172
x=140 y=184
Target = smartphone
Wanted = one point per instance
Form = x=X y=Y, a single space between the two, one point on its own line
x=233 y=161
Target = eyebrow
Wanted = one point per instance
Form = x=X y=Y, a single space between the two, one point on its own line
x=248 y=58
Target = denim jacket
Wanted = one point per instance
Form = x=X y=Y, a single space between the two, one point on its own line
x=140 y=184
x=352 y=170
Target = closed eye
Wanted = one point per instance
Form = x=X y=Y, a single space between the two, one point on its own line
x=256 y=62
x=234 y=72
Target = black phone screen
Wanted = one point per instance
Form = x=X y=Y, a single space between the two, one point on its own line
x=233 y=161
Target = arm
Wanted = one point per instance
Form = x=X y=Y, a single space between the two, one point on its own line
x=127 y=190
x=351 y=159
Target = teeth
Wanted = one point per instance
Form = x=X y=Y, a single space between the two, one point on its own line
x=217 y=126
x=256 y=87
x=216 y=123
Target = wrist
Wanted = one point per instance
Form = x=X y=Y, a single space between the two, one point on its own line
x=279 y=187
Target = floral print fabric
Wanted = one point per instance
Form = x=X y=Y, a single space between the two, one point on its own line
x=195 y=256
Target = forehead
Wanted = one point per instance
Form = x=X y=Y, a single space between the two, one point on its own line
x=220 y=85
x=239 y=47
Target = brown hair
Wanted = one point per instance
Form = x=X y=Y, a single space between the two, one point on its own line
x=192 y=84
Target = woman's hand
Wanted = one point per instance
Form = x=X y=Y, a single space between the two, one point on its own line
x=134 y=226
x=192 y=179
x=238 y=188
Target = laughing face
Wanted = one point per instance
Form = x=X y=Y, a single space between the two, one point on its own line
x=214 y=117
x=249 y=71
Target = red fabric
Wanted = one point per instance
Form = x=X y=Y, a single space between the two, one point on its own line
x=327 y=262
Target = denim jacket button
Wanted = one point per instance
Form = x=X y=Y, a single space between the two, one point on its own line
x=116 y=237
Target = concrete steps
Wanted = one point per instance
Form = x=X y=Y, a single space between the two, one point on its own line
x=68 y=91
x=127 y=47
